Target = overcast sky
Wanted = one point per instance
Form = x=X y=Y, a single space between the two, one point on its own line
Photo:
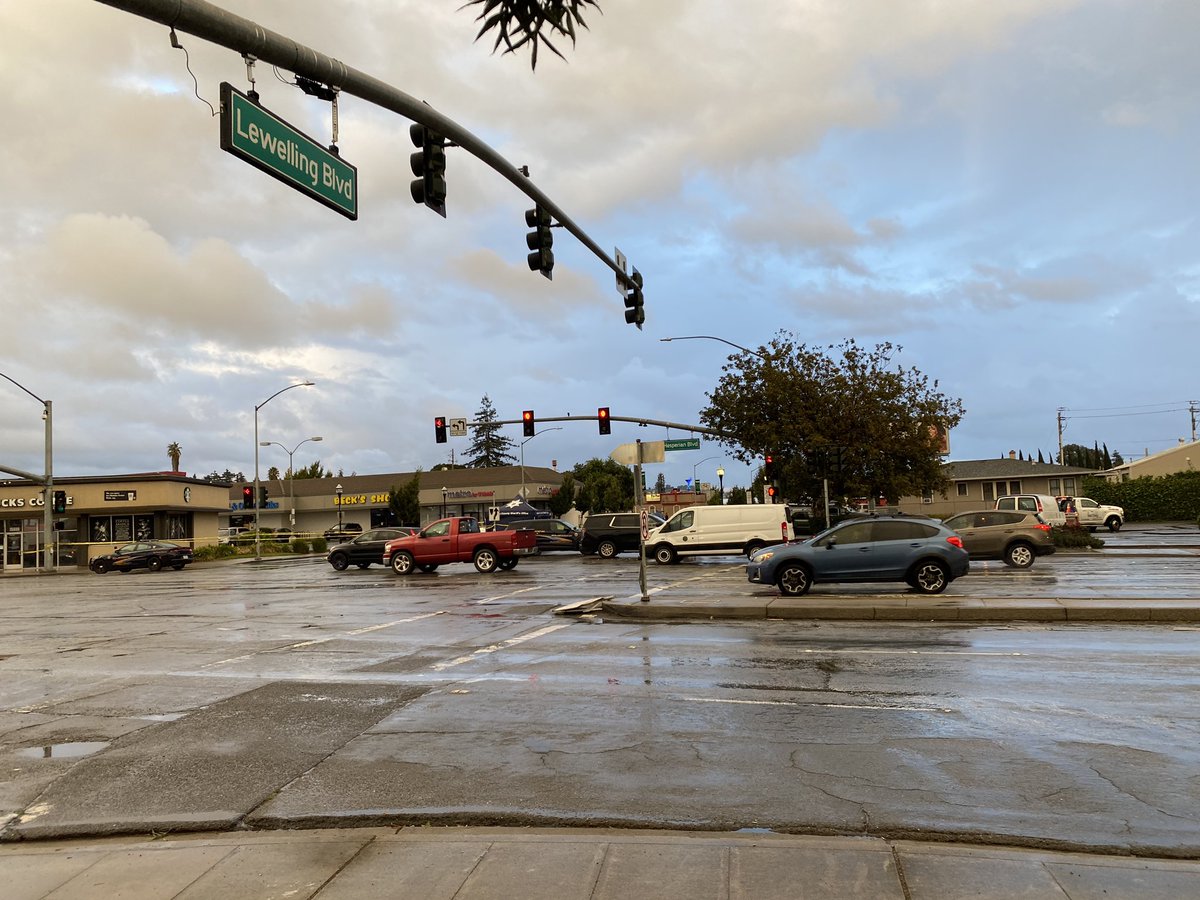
x=1007 y=190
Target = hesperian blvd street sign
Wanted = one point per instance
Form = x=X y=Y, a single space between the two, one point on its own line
x=262 y=139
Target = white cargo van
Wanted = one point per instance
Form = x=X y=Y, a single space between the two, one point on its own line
x=719 y=530
x=1042 y=504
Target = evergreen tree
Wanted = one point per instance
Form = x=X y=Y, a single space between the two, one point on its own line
x=490 y=448
x=660 y=484
x=1041 y=458
x=405 y=500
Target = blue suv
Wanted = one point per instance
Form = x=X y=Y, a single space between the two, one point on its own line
x=923 y=553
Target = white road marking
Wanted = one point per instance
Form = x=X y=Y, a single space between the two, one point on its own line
x=323 y=640
x=931 y=709
x=511 y=594
x=503 y=645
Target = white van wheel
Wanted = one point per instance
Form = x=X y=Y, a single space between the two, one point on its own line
x=665 y=555
x=753 y=547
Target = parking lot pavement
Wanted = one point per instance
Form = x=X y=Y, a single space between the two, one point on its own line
x=597 y=864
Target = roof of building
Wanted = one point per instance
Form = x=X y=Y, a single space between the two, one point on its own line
x=980 y=469
x=451 y=479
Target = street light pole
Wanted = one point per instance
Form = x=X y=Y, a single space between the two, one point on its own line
x=695 y=483
x=338 y=491
x=291 y=472
x=443 y=502
x=48 y=479
x=721 y=482
x=257 y=533
x=523 y=443
x=710 y=337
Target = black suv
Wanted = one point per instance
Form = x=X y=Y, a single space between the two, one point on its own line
x=607 y=534
x=552 y=534
x=365 y=549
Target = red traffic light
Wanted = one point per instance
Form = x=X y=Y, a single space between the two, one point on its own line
x=247 y=497
x=604 y=421
x=528 y=423
x=439 y=429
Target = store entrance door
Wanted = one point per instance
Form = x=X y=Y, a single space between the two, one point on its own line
x=22 y=547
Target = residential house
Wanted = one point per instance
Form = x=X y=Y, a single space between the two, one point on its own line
x=1180 y=458
x=976 y=483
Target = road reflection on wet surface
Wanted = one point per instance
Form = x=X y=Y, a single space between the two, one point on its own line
x=311 y=696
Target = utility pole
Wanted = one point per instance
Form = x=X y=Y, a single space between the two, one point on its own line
x=1061 y=420
x=1192 y=409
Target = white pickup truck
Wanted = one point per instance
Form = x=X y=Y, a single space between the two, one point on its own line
x=1093 y=515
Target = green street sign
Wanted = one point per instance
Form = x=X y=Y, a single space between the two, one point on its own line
x=264 y=140
x=685 y=444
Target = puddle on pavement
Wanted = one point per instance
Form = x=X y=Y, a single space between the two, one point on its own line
x=70 y=750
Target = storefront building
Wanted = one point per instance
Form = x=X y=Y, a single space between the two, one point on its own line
x=311 y=505
x=103 y=512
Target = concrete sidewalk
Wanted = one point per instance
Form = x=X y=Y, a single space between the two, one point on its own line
x=564 y=864
x=907 y=606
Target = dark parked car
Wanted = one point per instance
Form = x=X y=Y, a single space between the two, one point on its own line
x=924 y=554
x=365 y=549
x=1017 y=537
x=608 y=534
x=552 y=534
x=344 y=532
x=152 y=555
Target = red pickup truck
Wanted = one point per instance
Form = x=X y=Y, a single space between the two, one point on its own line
x=458 y=539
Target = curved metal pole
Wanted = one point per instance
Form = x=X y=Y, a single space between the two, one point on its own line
x=48 y=481
x=257 y=534
x=523 y=443
x=211 y=23
x=291 y=473
x=711 y=337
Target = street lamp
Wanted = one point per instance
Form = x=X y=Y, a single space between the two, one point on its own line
x=695 y=483
x=338 y=490
x=48 y=477
x=257 y=533
x=444 y=502
x=709 y=337
x=721 y=483
x=291 y=472
x=523 y=443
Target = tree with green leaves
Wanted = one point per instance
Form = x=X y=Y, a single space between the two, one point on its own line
x=660 y=483
x=602 y=486
x=521 y=22
x=314 y=470
x=490 y=448
x=405 y=500
x=563 y=499
x=174 y=451
x=841 y=411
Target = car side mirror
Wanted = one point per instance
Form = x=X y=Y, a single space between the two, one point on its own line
x=830 y=544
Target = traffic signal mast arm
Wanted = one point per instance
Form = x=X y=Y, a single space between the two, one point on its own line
x=211 y=23
x=699 y=429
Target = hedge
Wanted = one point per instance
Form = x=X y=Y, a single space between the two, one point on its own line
x=1159 y=498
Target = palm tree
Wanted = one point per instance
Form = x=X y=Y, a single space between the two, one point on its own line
x=174 y=451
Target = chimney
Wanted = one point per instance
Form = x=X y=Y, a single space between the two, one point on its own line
x=1012 y=454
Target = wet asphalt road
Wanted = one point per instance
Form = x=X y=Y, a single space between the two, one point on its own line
x=285 y=694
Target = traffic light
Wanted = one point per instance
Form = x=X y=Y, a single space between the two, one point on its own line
x=60 y=502
x=439 y=429
x=429 y=165
x=528 y=424
x=835 y=461
x=603 y=420
x=540 y=240
x=769 y=472
x=262 y=497
x=247 y=497
x=635 y=313
x=771 y=491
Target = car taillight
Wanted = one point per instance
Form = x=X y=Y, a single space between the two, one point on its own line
x=1043 y=526
x=955 y=540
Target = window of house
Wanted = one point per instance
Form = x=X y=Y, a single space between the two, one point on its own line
x=1014 y=487
x=1069 y=486
x=962 y=489
x=1055 y=487
x=988 y=493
